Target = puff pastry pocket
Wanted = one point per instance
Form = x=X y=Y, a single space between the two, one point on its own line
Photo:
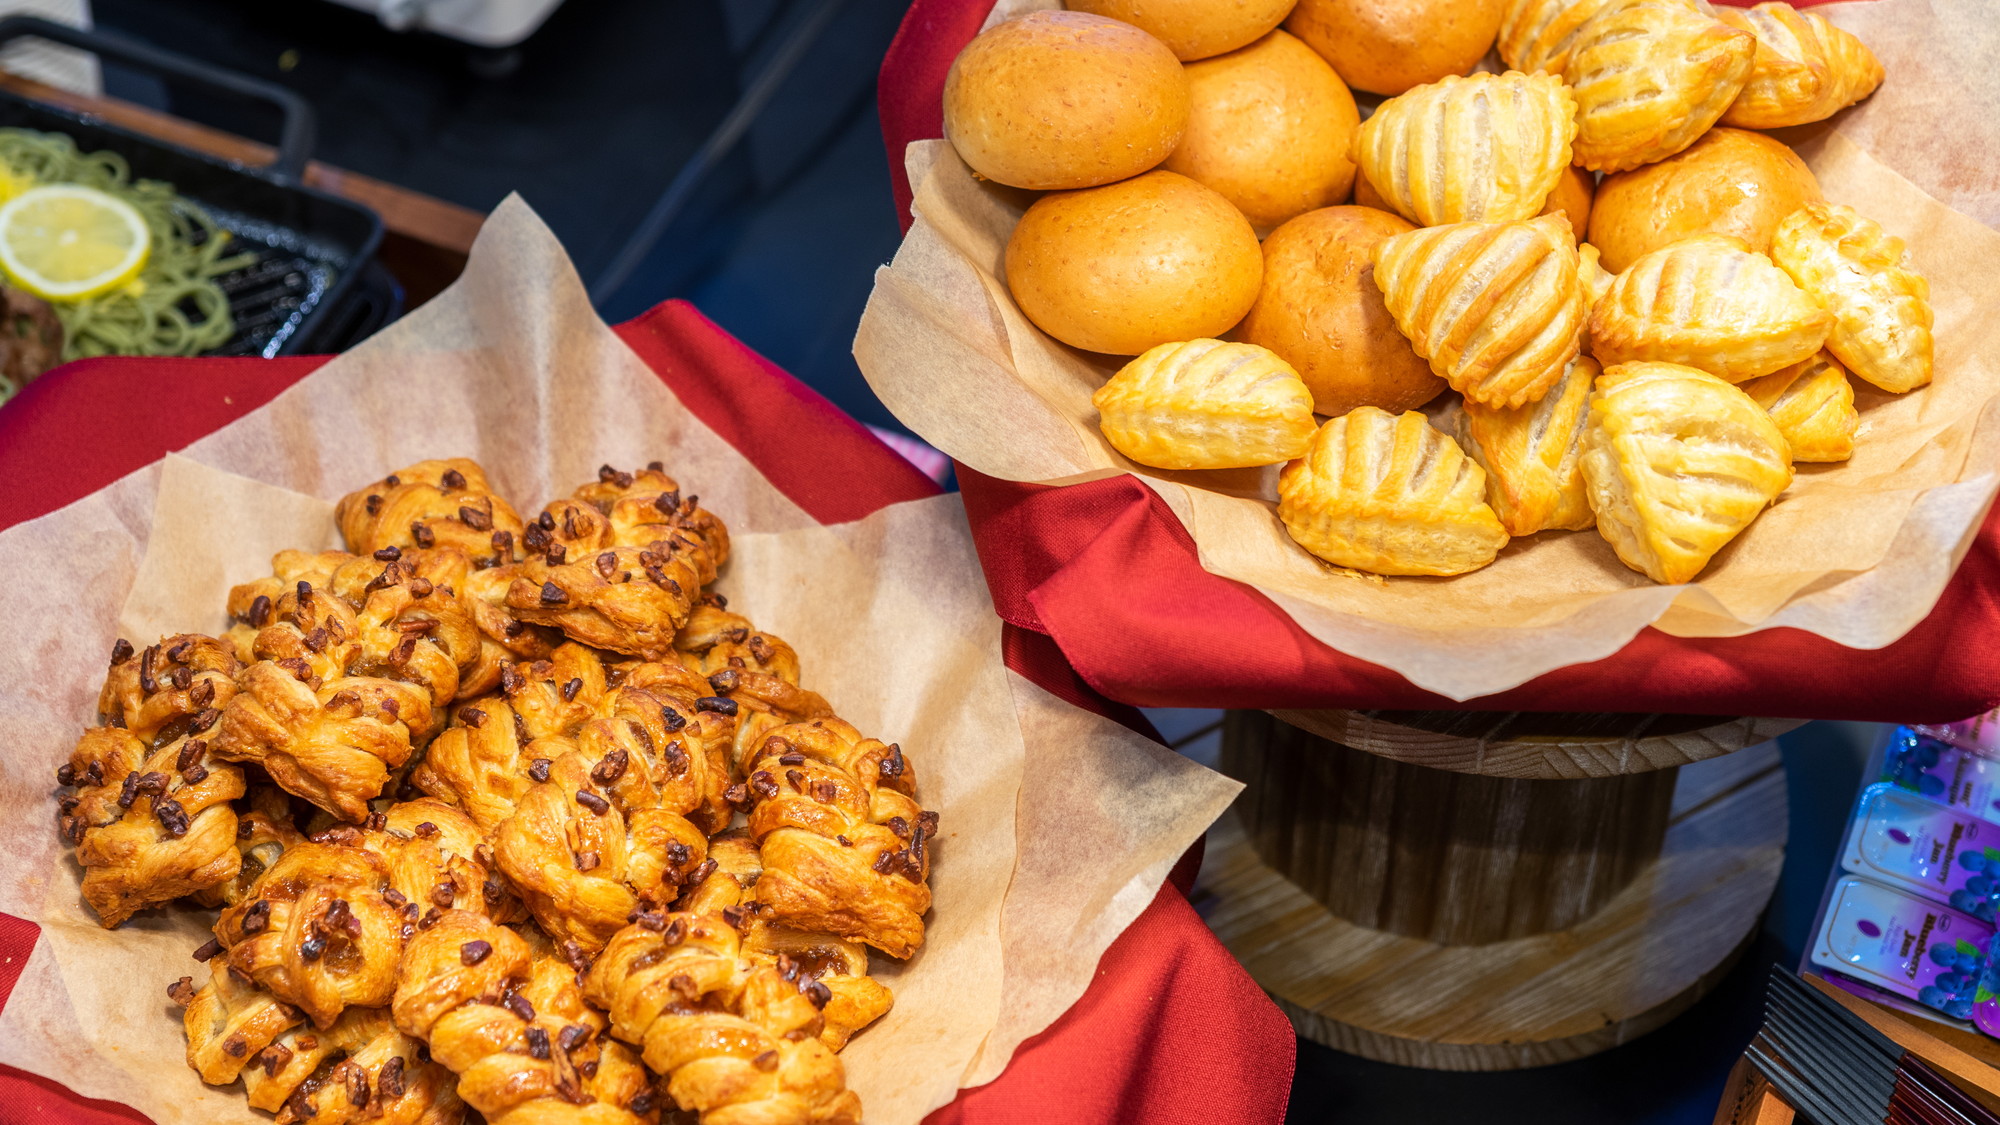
x=1813 y=404
x=444 y=503
x=1497 y=308
x=1708 y=302
x=1530 y=455
x=1881 y=308
x=1204 y=404
x=1484 y=147
x=1650 y=76
x=1805 y=68
x=1536 y=35
x=1388 y=494
x=1677 y=463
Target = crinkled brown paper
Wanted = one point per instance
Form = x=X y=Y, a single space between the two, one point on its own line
x=1057 y=825
x=1857 y=552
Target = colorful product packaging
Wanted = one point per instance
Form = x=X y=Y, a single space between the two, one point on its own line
x=1979 y=734
x=1908 y=946
x=1945 y=773
x=1929 y=849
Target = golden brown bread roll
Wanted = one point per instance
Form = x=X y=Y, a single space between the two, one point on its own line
x=1388 y=46
x=1574 y=193
x=1132 y=265
x=1731 y=181
x=1064 y=100
x=1269 y=128
x=1194 y=29
x=1320 y=311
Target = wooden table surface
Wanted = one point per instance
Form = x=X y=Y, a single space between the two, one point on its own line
x=425 y=240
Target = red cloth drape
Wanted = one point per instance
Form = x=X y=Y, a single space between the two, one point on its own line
x=1106 y=571
x=1169 y=1010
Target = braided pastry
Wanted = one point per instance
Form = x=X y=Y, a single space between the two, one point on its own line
x=150 y=817
x=340 y=697
x=851 y=999
x=845 y=846
x=513 y=1026
x=159 y=694
x=481 y=763
x=756 y=670
x=619 y=822
x=431 y=504
x=738 y=1043
x=359 y=1069
x=621 y=564
x=325 y=924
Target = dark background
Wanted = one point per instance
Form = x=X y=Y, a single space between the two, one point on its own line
x=591 y=119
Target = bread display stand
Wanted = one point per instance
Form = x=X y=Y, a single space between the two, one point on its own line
x=1481 y=891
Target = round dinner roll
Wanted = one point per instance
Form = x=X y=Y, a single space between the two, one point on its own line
x=1269 y=128
x=1388 y=46
x=1123 y=267
x=1320 y=311
x=1058 y=100
x=1195 y=29
x=1731 y=181
x=1572 y=196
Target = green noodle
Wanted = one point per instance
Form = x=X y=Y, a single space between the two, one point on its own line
x=174 y=307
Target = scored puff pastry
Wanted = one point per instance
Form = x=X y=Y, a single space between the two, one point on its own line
x=1204 y=404
x=1813 y=404
x=1678 y=462
x=1650 y=76
x=1497 y=308
x=1390 y=495
x=1881 y=307
x=1536 y=35
x=1477 y=148
x=1806 y=69
x=1530 y=455
x=1708 y=302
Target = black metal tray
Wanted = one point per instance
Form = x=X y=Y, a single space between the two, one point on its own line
x=312 y=248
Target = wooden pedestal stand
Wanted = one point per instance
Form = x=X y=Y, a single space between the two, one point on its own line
x=1486 y=892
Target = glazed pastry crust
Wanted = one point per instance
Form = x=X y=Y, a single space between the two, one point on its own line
x=1497 y=308
x=1650 y=76
x=444 y=503
x=735 y=1039
x=1881 y=307
x=1678 y=462
x=1596 y=279
x=1530 y=455
x=846 y=847
x=1388 y=494
x=1812 y=403
x=1204 y=404
x=1536 y=35
x=1806 y=69
x=1479 y=148
x=1708 y=302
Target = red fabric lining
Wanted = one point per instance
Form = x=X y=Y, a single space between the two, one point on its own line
x=1107 y=572
x=1168 y=1004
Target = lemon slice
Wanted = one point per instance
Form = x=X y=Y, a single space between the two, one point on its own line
x=65 y=242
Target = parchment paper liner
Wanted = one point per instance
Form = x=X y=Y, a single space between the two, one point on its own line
x=1857 y=553
x=1057 y=825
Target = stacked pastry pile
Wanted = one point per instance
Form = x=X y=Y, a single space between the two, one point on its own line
x=466 y=797
x=1658 y=380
